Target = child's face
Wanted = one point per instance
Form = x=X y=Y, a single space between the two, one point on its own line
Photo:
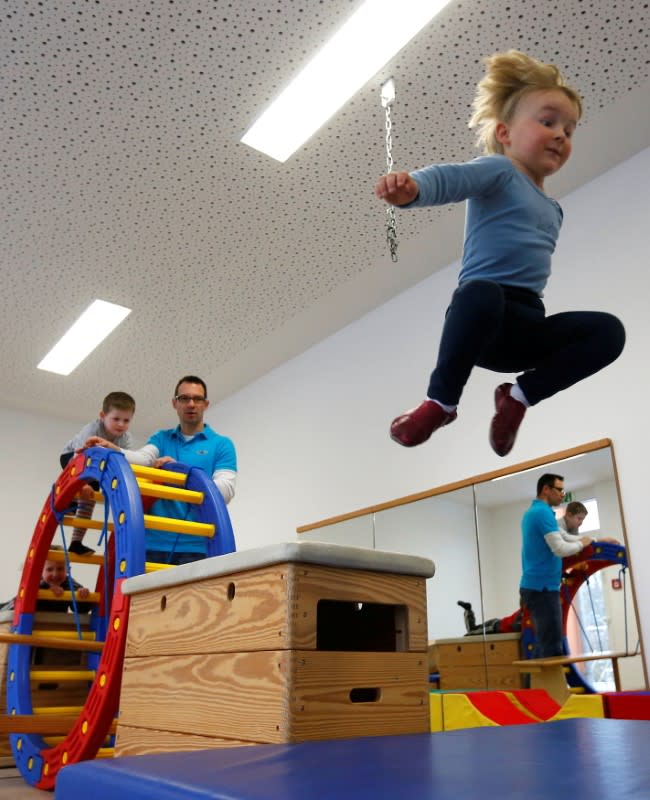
x=116 y=421
x=53 y=573
x=538 y=138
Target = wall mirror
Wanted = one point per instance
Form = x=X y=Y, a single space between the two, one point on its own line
x=471 y=530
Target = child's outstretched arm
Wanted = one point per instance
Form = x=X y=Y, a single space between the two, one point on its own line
x=397 y=188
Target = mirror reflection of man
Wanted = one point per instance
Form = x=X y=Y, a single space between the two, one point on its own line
x=544 y=545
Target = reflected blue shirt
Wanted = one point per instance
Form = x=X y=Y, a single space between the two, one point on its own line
x=511 y=226
x=540 y=567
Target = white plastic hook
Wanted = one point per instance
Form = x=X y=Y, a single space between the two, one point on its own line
x=388 y=92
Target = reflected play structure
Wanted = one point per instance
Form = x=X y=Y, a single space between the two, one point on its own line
x=576 y=571
x=45 y=737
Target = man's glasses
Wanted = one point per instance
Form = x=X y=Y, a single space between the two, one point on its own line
x=184 y=399
x=559 y=489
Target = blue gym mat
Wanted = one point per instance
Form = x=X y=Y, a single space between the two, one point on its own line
x=574 y=759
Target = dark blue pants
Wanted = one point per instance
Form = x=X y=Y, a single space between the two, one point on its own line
x=546 y=613
x=505 y=329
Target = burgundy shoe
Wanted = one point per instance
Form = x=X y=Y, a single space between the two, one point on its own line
x=506 y=422
x=416 y=425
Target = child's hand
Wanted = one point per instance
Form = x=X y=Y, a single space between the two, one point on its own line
x=83 y=592
x=162 y=460
x=97 y=441
x=57 y=591
x=397 y=188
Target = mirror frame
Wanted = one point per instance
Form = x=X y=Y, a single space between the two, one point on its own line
x=485 y=477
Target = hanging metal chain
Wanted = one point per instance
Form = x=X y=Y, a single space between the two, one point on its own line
x=387 y=98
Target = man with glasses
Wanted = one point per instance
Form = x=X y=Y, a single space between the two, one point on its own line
x=191 y=442
x=544 y=545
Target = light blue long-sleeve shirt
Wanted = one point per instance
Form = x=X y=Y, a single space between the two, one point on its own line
x=511 y=226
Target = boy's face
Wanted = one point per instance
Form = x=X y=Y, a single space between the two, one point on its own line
x=53 y=573
x=574 y=521
x=116 y=421
x=538 y=138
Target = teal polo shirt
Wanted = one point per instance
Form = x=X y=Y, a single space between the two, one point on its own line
x=540 y=567
x=208 y=450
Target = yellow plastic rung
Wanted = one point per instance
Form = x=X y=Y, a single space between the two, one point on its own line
x=149 y=489
x=48 y=594
x=63 y=710
x=105 y=752
x=27 y=723
x=155 y=475
x=52 y=642
x=154 y=566
x=178 y=526
x=62 y=675
x=58 y=555
x=80 y=522
x=87 y=636
x=151 y=523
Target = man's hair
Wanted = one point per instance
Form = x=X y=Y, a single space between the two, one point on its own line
x=547 y=479
x=192 y=379
x=120 y=400
x=576 y=507
x=508 y=77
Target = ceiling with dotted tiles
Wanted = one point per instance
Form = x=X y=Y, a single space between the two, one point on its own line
x=123 y=177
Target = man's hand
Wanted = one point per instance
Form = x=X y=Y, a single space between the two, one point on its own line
x=397 y=188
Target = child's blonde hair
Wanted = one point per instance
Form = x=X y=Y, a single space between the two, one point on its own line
x=508 y=77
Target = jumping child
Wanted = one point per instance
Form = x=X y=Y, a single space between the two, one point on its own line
x=525 y=115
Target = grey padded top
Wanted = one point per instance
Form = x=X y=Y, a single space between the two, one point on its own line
x=321 y=553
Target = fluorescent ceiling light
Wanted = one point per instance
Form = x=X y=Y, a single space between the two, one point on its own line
x=366 y=42
x=92 y=327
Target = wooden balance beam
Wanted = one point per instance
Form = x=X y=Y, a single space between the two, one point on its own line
x=549 y=673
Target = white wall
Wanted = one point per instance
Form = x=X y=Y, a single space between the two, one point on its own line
x=28 y=469
x=312 y=435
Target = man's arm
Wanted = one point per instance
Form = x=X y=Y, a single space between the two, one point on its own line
x=225 y=480
x=562 y=548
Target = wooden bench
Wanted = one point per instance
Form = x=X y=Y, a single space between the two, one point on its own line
x=549 y=673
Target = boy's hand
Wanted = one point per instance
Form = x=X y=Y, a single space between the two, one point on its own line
x=397 y=188
x=97 y=441
x=162 y=460
x=83 y=592
x=57 y=591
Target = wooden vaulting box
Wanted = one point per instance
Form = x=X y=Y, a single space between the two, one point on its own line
x=286 y=643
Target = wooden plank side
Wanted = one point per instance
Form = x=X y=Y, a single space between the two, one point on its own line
x=310 y=583
x=266 y=609
x=503 y=677
x=142 y=741
x=339 y=695
x=276 y=696
x=231 y=613
x=461 y=654
x=502 y=652
x=470 y=676
x=229 y=695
